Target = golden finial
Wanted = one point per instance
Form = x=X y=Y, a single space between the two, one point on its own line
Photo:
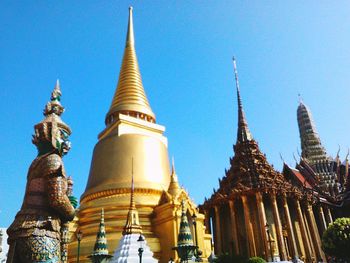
x=174 y=187
x=130 y=97
x=173 y=166
x=130 y=39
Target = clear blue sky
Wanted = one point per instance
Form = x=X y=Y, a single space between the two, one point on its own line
x=184 y=49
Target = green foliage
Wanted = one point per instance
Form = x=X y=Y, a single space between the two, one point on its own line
x=256 y=260
x=336 y=239
x=226 y=258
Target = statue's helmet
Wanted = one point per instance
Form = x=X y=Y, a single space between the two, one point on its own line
x=52 y=132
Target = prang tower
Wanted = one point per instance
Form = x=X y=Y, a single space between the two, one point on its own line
x=131 y=136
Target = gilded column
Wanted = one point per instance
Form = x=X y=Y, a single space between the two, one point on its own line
x=207 y=221
x=290 y=227
x=276 y=217
x=234 y=227
x=217 y=242
x=322 y=219
x=249 y=228
x=329 y=216
x=262 y=221
x=308 y=251
x=308 y=231
x=315 y=235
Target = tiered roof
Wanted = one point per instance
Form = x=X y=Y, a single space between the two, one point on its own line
x=249 y=169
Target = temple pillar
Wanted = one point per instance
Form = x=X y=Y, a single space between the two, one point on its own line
x=308 y=231
x=328 y=214
x=248 y=227
x=234 y=227
x=207 y=221
x=315 y=235
x=294 y=250
x=322 y=219
x=217 y=242
x=263 y=221
x=308 y=251
x=278 y=225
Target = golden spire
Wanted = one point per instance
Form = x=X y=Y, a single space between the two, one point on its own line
x=130 y=97
x=132 y=222
x=174 y=187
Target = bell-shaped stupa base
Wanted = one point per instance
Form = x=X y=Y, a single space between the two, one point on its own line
x=128 y=251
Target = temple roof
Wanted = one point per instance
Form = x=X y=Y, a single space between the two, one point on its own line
x=130 y=96
x=249 y=169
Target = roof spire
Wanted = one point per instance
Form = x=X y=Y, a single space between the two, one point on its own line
x=174 y=187
x=185 y=245
x=243 y=133
x=130 y=97
x=132 y=222
x=100 y=249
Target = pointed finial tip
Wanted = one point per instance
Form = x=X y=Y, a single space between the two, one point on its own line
x=300 y=99
x=173 y=164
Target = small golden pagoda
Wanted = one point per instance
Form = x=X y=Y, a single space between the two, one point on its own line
x=131 y=133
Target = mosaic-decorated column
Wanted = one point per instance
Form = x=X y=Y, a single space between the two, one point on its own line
x=249 y=229
x=303 y=231
x=290 y=227
x=218 y=244
x=322 y=219
x=314 y=233
x=263 y=221
x=234 y=226
x=328 y=215
x=278 y=225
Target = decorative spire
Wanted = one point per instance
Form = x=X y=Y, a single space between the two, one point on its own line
x=132 y=225
x=185 y=247
x=243 y=133
x=174 y=187
x=185 y=236
x=311 y=147
x=101 y=248
x=130 y=97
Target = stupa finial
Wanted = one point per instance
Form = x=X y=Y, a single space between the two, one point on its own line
x=130 y=97
x=130 y=39
x=174 y=187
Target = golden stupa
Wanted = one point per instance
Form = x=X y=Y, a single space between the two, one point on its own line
x=132 y=136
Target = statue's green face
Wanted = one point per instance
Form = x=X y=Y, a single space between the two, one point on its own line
x=62 y=142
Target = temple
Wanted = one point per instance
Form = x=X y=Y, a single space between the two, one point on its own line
x=258 y=211
x=131 y=133
x=328 y=176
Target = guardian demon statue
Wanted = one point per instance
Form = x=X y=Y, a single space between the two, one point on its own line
x=35 y=234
